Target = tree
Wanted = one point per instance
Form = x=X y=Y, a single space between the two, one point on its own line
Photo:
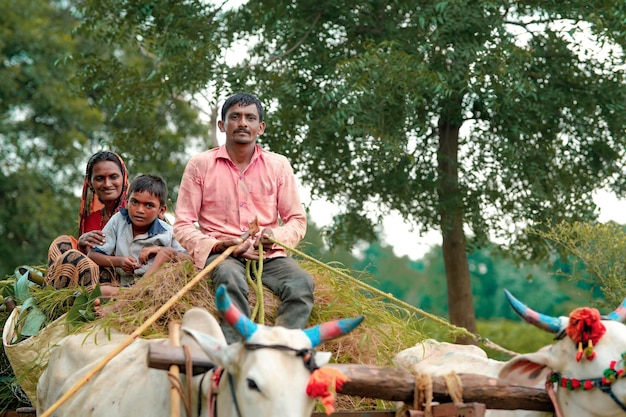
x=474 y=116
x=43 y=128
x=64 y=94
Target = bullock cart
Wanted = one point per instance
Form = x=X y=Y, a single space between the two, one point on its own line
x=369 y=381
x=391 y=384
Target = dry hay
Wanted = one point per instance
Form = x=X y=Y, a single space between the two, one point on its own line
x=386 y=330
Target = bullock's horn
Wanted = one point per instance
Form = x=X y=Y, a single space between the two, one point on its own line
x=542 y=321
x=232 y=315
x=331 y=330
x=619 y=314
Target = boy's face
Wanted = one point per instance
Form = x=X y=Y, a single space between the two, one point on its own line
x=143 y=208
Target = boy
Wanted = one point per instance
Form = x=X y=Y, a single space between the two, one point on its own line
x=138 y=242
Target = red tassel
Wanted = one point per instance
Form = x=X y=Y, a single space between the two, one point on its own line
x=579 y=354
x=585 y=327
x=323 y=384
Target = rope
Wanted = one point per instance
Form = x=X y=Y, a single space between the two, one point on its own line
x=423 y=393
x=455 y=387
x=259 y=307
x=488 y=343
x=461 y=330
x=185 y=394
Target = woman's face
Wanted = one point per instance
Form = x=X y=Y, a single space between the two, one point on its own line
x=106 y=181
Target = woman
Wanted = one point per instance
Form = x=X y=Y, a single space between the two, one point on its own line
x=104 y=193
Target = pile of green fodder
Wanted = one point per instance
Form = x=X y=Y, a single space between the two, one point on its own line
x=12 y=396
x=387 y=329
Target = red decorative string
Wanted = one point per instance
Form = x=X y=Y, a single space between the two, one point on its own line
x=323 y=384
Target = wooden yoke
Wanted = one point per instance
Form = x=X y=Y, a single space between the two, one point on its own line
x=393 y=384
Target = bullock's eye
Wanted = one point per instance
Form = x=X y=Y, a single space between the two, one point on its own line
x=252 y=385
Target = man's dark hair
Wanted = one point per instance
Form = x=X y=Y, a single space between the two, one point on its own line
x=153 y=184
x=242 y=99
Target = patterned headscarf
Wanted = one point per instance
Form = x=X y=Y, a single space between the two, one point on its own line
x=89 y=202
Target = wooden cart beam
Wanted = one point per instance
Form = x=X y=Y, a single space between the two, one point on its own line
x=392 y=384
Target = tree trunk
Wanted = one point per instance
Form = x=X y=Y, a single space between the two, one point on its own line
x=460 y=299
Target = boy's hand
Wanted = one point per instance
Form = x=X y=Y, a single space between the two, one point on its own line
x=129 y=264
x=147 y=253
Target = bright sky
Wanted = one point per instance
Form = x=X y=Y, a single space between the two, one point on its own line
x=405 y=242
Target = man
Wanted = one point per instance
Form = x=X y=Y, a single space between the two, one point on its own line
x=224 y=189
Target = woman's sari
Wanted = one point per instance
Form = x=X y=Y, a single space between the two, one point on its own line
x=67 y=265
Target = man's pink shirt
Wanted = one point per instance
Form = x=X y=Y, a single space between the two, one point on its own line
x=223 y=201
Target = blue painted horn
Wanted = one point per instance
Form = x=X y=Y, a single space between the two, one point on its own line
x=232 y=315
x=542 y=321
x=246 y=327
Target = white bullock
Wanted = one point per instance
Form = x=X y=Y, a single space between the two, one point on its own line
x=586 y=362
x=441 y=358
x=265 y=376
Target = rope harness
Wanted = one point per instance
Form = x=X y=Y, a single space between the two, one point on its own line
x=604 y=383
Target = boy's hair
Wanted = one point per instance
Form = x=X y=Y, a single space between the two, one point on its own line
x=153 y=184
x=243 y=99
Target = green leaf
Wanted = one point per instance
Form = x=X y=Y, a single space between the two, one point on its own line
x=22 y=284
x=74 y=316
x=31 y=318
x=82 y=310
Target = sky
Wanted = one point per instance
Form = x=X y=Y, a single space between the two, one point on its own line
x=405 y=242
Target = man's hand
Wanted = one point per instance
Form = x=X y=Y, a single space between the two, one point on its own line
x=263 y=238
x=222 y=245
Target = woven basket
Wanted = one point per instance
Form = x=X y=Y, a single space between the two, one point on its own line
x=29 y=357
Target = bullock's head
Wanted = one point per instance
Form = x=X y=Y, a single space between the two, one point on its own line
x=269 y=371
x=588 y=347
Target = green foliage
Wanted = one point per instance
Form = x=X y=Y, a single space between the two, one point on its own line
x=590 y=255
x=365 y=99
x=67 y=91
x=361 y=92
x=461 y=116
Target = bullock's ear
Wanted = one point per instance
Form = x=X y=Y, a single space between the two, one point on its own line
x=529 y=370
x=203 y=321
x=218 y=351
x=322 y=358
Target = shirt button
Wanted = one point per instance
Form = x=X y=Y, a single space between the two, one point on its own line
x=241 y=204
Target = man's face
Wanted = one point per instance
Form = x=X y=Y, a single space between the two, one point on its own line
x=242 y=124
